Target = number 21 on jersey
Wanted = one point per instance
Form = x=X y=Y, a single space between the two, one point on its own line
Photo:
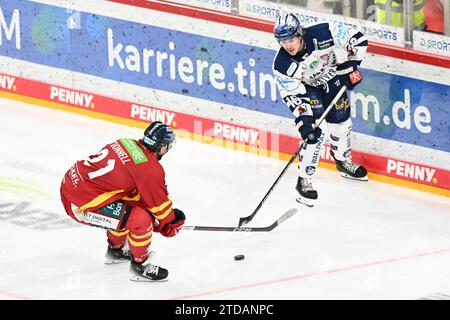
x=97 y=158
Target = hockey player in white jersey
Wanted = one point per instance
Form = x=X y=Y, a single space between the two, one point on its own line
x=311 y=67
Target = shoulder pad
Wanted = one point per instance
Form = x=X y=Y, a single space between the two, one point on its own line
x=318 y=37
x=317 y=26
x=284 y=64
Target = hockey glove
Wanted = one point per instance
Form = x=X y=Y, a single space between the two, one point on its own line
x=307 y=129
x=171 y=229
x=352 y=79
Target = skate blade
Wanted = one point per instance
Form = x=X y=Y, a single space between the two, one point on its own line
x=143 y=279
x=307 y=202
x=111 y=262
x=353 y=178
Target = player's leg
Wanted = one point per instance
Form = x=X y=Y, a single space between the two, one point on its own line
x=310 y=156
x=140 y=226
x=340 y=127
x=118 y=250
x=110 y=217
x=115 y=216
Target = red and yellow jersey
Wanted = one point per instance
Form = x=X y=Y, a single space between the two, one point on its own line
x=123 y=170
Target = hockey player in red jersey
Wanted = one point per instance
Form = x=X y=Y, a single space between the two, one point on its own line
x=122 y=189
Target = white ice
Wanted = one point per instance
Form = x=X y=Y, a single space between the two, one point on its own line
x=363 y=240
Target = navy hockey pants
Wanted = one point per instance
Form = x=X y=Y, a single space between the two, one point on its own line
x=321 y=97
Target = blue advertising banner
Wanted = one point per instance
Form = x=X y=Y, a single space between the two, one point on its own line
x=384 y=105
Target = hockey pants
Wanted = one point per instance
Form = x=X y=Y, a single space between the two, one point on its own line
x=133 y=223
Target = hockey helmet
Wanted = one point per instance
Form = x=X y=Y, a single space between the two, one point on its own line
x=158 y=135
x=286 y=27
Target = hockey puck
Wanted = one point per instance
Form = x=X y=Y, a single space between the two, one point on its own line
x=239 y=257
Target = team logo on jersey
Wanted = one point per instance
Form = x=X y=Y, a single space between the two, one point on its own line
x=313 y=64
x=290 y=71
x=310 y=170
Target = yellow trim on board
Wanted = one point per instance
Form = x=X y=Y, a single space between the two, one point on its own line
x=63 y=107
x=215 y=141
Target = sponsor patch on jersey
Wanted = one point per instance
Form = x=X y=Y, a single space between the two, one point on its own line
x=113 y=210
x=325 y=44
x=288 y=84
x=99 y=220
x=342 y=105
x=313 y=64
x=292 y=68
x=315 y=104
x=136 y=153
x=340 y=33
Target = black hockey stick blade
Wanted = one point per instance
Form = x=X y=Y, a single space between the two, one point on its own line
x=279 y=221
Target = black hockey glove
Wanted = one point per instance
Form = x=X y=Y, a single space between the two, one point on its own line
x=307 y=129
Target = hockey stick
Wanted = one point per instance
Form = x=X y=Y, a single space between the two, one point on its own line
x=245 y=220
x=280 y=220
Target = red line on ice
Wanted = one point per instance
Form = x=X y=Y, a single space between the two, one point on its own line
x=13 y=295
x=309 y=275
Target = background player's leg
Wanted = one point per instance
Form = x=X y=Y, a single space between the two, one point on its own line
x=340 y=127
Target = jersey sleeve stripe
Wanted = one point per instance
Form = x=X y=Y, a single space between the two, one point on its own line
x=161 y=207
x=100 y=199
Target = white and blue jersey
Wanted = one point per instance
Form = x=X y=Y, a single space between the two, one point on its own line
x=310 y=79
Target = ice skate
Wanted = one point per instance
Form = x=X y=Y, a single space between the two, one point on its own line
x=351 y=170
x=307 y=194
x=116 y=256
x=147 y=272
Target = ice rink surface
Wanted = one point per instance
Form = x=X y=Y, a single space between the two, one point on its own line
x=361 y=241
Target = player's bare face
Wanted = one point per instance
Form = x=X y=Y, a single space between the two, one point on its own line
x=161 y=152
x=164 y=149
x=293 y=45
